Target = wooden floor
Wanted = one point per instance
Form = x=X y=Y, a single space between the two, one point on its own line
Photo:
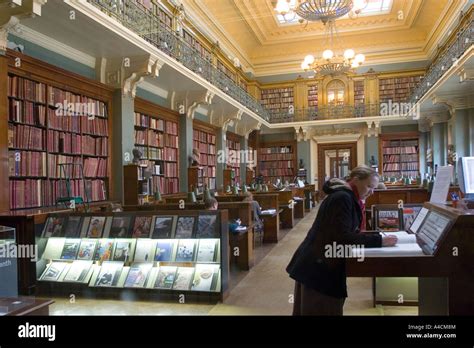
x=264 y=290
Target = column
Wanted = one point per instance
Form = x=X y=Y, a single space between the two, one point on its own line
x=471 y=133
x=244 y=146
x=304 y=153
x=221 y=160
x=371 y=149
x=461 y=134
x=185 y=150
x=438 y=142
x=422 y=150
x=123 y=139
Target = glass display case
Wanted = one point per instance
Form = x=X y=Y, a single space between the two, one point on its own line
x=8 y=262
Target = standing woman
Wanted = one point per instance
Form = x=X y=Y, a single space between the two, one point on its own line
x=320 y=276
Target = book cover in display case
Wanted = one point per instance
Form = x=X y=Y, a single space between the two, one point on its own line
x=122 y=250
x=70 y=249
x=205 y=277
x=207 y=250
x=79 y=272
x=87 y=249
x=141 y=227
x=165 y=278
x=73 y=227
x=104 y=250
x=185 y=227
x=186 y=250
x=207 y=226
x=163 y=227
x=144 y=250
x=53 y=271
x=54 y=226
x=184 y=277
x=96 y=227
x=138 y=274
x=109 y=274
x=120 y=227
x=164 y=250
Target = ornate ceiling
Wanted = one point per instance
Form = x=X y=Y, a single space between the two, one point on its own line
x=250 y=30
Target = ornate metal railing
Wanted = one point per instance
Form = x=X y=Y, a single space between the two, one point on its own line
x=147 y=25
x=327 y=112
x=464 y=39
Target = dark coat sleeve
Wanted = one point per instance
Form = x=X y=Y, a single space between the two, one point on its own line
x=341 y=223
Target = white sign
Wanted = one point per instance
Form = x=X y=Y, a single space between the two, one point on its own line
x=441 y=185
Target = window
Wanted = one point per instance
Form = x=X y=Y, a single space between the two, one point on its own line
x=335 y=90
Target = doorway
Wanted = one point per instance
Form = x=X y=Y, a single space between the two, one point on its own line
x=335 y=161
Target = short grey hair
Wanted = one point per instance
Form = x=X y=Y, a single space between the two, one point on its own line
x=362 y=172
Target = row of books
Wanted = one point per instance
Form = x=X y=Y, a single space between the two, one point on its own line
x=208 y=160
x=55 y=171
x=26 y=163
x=400 y=166
x=170 y=154
x=172 y=128
x=171 y=170
x=400 y=158
x=278 y=164
x=167 y=185
x=202 y=277
x=29 y=193
x=143 y=120
x=22 y=88
x=204 y=137
x=413 y=142
x=77 y=104
x=95 y=190
x=95 y=167
x=27 y=112
x=131 y=226
x=276 y=157
x=130 y=250
x=64 y=123
x=95 y=126
x=94 y=146
x=277 y=93
x=278 y=100
x=171 y=140
x=205 y=148
x=276 y=172
x=209 y=171
x=276 y=149
x=152 y=138
x=400 y=150
x=26 y=137
x=69 y=143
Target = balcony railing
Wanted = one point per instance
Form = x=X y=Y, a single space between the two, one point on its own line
x=464 y=40
x=327 y=112
x=147 y=25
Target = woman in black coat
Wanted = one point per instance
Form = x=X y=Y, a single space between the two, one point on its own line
x=317 y=267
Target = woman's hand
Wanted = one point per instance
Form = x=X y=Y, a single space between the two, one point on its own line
x=390 y=240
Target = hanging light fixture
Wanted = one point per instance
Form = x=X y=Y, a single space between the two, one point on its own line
x=331 y=63
x=318 y=10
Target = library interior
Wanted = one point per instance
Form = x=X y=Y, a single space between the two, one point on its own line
x=171 y=156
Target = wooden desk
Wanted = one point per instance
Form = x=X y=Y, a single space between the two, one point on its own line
x=271 y=227
x=241 y=249
x=299 y=208
x=391 y=196
x=23 y=306
x=446 y=281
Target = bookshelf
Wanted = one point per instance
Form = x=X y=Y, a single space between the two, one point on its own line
x=278 y=99
x=204 y=139
x=397 y=89
x=156 y=135
x=359 y=93
x=233 y=161
x=312 y=96
x=278 y=161
x=399 y=155
x=52 y=119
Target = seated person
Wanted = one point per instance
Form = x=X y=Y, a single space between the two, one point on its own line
x=211 y=204
x=256 y=210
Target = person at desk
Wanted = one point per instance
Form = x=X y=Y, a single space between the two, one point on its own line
x=211 y=204
x=320 y=275
x=256 y=211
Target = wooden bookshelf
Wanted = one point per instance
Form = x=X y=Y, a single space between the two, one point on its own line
x=397 y=89
x=204 y=139
x=278 y=160
x=55 y=117
x=359 y=92
x=233 y=162
x=399 y=154
x=313 y=96
x=156 y=135
x=278 y=99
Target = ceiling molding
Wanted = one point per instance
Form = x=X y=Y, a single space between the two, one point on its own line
x=50 y=44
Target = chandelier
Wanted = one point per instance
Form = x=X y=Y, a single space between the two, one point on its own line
x=319 y=10
x=331 y=63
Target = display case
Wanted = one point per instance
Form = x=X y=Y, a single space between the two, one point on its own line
x=153 y=254
x=8 y=262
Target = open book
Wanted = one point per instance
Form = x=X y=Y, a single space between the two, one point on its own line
x=406 y=246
